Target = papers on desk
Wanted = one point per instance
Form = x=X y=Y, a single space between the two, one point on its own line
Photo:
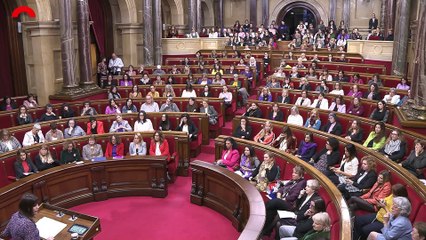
x=286 y=214
x=49 y=227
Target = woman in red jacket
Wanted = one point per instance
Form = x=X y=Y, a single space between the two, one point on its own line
x=230 y=155
x=370 y=200
x=95 y=127
x=115 y=148
x=159 y=146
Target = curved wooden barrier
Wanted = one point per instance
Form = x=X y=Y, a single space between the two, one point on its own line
x=74 y=184
x=230 y=195
x=336 y=204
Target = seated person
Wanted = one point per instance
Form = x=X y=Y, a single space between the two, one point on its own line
x=354 y=92
x=337 y=90
x=23 y=165
x=138 y=146
x=192 y=105
x=287 y=194
x=143 y=123
x=338 y=105
x=30 y=102
x=44 y=159
x=284 y=97
x=333 y=125
x=114 y=148
x=376 y=139
x=210 y=111
x=129 y=107
x=169 y=106
x=49 y=115
x=366 y=223
x=164 y=123
x=94 y=126
x=321 y=227
x=206 y=92
x=392 y=97
x=168 y=91
x=363 y=180
x=189 y=92
x=415 y=163
x=307 y=147
x=265 y=173
x=230 y=155
x=92 y=149
x=376 y=80
x=288 y=84
x=356 y=79
x=373 y=92
x=159 y=146
x=321 y=102
x=24 y=117
x=313 y=121
x=265 y=136
x=204 y=80
x=355 y=133
x=67 y=111
x=126 y=81
x=286 y=141
x=113 y=93
x=7 y=104
x=150 y=105
x=186 y=125
x=88 y=110
x=54 y=133
x=70 y=153
x=395 y=146
x=244 y=129
x=153 y=92
x=356 y=107
x=276 y=114
x=226 y=95
x=120 y=125
x=218 y=80
x=305 y=210
x=135 y=93
x=348 y=166
x=341 y=77
x=8 y=142
x=242 y=91
x=273 y=83
x=396 y=224
x=265 y=95
x=112 y=107
x=322 y=87
x=248 y=162
x=34 y=136
x=73 y=130
x=327 y=157
x=402 y=85
x=294 y=117
x=370 y=200
x=253 y=111
x=304 y=85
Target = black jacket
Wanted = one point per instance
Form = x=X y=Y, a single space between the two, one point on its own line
x=271 y=175
x=239 y=133
x=279 y=117
x=280 y=99
x=192 y=129
x=398 y=155
x=337 y=129
x=367 y=182
x=19 y=169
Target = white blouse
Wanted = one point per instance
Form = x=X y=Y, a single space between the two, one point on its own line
x=143 y=127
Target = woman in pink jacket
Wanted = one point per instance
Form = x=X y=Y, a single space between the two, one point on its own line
x=230 y=155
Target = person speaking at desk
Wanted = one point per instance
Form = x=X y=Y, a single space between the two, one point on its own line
x=21 y=224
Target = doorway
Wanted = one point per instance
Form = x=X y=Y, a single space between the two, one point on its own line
x=294 y=13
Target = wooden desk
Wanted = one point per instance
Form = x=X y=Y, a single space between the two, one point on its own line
x=50 y=211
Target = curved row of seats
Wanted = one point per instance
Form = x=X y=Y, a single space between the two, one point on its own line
x=344 y=119
x=178 y=147
x=335 y=204
x=416 y=189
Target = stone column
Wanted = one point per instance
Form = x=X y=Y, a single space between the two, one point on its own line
x=220 y=14
x=332 y=8
x=70 y=85
x=148 y=33
x=158 y=31
x=192 y=17
x=129 y=38
x=265 y=13
x=199 y=15
x=400 y=43
x=83 y=30
x=389 y=16
x=253 y=12
x=346 y=13
x=418 y=83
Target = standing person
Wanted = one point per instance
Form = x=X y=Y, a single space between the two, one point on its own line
x=373 y=22
x=21 y=224
x=115 y=64
x=102 y=69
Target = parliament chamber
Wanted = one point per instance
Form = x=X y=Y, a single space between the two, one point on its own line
x=213 y=119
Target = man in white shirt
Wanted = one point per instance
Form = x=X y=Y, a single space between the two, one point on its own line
x=392 y=97
x=34 y=136
x=150 y=105
x=303 y=100
x=320 y=102
x=115 y=64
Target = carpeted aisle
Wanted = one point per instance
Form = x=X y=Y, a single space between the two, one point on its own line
x=173 y=217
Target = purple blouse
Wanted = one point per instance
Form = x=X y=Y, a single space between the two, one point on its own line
x=21 y=228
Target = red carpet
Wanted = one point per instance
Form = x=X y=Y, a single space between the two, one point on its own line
x=173 y=217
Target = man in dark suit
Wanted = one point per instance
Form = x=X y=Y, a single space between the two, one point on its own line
x=373 y=23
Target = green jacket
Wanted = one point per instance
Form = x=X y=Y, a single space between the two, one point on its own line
x=313 y=235
x=376 y=145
